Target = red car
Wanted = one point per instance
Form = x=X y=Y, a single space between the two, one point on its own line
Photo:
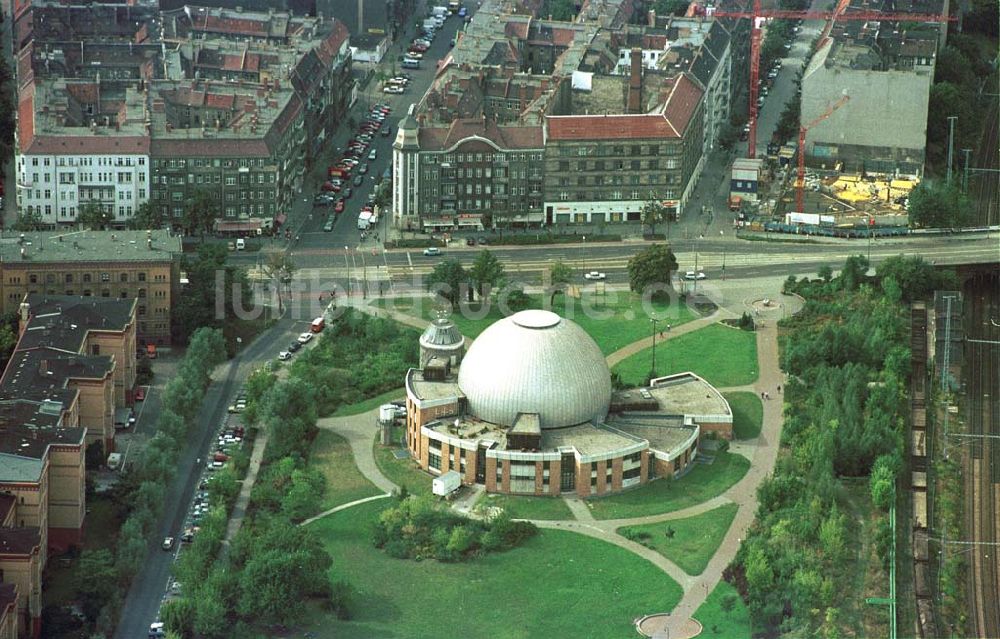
x=330 y=186
x=339 y=206
x=140 y=394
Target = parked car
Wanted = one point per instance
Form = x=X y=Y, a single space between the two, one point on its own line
x=305 y=337
x=339 y=206
x=432 y=251
x=594 y=275
x=294 y=346
x=140 y=394
x=348 y=192
x=362 y=169
x=284 y=356
x=692 y=275
x=168 y=543
x=372 y=155
x=359 y=180
x=328 y=227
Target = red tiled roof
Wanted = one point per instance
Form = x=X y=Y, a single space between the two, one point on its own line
x=328 y=48
x=517 y=29
x=232 y=62
x=209 y=147
x=563 y=37
x=235 y=26
x=26 y=117
x=89 y=144
x=654 y=41
x=220 y=101
x=609 y=127
x=85 y=92
x=682 y=102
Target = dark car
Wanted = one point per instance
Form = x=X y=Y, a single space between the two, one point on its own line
x=347 y=193
x=359 y=180
x=294 y=346
x=470 y=241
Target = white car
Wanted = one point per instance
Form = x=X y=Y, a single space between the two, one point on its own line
x=691 y=275
x=432 y=251
x=594 y=275
x=168 y=543
x=372 y=155
x=284 y=356
x=305 y=337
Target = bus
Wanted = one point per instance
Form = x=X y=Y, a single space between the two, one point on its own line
x=454 y=6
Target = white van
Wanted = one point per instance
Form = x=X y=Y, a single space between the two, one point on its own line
x=241 y=244
x=411 y=63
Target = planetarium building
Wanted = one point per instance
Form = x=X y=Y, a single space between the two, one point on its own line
x=530 y=409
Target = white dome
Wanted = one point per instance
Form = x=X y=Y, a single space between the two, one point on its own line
x=536 y=362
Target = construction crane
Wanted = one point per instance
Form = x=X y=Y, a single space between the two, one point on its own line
x=800 y=178
x=758 y=15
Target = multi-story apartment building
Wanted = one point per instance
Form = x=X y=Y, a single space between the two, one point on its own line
x=242 y=150
x=606 y=168
x=471 y=174
x=108 y=96
x=80 y=146
x=42 y=496
x=131 y=265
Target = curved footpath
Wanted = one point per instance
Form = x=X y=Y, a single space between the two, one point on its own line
x=762 y=453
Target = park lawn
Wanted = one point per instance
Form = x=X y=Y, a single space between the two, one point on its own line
x=331 y=454
x=104 y=520
x=701 y=483
x=369 y=404
x=748 y=414
x=528 y=507
x=402 y=472
x=722 y=618
x=723 y=356
x=557 y=584
x=614 y=320
x=694 y=541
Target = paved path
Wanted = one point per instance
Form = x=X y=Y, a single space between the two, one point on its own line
x=240 y=509
x=761 y=451
x=359 y=431
x=350 y=504
x=647 y=342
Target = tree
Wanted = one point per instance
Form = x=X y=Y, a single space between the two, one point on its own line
x=147 y=217
x=512 y=298
x=653 y=212
x=825 y=273
x=448 y=280
x=652 y=267
x=917 y=279
x=94 y=456
x=670 y=7
x=560 y=275
x=197 y=307
x=279 y=267
x=28 y=219
x=938 y=205
x=200 y=213
x=487 y=272
x=95 y=580
x=288 y=411
x=305 y=492
x=882 y=482
x=93 y=216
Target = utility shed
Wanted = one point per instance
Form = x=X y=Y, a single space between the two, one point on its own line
x=746 y=177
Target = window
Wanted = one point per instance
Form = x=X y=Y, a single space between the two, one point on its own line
x=105 y=277
x=95 y=349
x=50 y=278
x=142 y=277
x=33 y=279
x=86 y=278
x=123 y=277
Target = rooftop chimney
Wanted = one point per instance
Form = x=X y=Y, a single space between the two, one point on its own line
x=651 y=18
x=634 y=102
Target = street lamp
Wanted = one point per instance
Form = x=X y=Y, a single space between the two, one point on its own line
x=652 y=372
x=364 y=280
x=585 y=254
x=348 y=265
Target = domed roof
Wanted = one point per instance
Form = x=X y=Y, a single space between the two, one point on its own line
x=536 y=362
x=441 y=333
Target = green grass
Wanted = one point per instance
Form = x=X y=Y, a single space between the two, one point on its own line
x=748 y=414
x=528 y=507
x=723 y=356
x=402 y=472
x=694 y=541
x=614 y=321
x=331 y=454
x=702 y=483
x=100 y=531
x=717 y=621
x=369 y=404
x=557 y=584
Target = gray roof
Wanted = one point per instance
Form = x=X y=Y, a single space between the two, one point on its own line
x=536 y=362
x=88 y=246
x=441 y=333
x=16 y=468
x=63 y=321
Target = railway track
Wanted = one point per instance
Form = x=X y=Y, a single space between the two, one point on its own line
x=985 y=187
x=982 y=414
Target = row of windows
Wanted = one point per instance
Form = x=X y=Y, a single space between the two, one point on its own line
x=634 y=194
x=619 y=165
x=140 y=309
x=495 y=158
x=98 y=160
x=632 y=150
x=181 y=163
x=69 y=278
